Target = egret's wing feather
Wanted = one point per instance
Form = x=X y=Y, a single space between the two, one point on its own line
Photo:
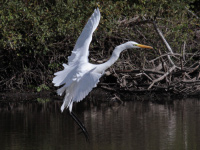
x=81 y=50
x=65 y=76
x=87 y=82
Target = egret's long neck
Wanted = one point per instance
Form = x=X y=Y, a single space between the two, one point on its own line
x=113 y=58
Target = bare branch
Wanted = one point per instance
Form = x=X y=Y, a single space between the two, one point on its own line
x=147 y=71
x=164 y=41
x=167 y=54
x=162 y=77
x=191 y=12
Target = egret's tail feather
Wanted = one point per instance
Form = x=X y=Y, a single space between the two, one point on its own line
x=67 y=103
x=63 y=106
x=69 y=94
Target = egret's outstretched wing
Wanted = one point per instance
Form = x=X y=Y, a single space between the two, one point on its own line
x=81 y=50
x=79 y=89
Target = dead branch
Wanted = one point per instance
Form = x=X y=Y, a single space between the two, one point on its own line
x=167 y=54
x=147 y=71
x=191 y=12
x=162 y=37
x=162 y=77
x=145 y=75
x=194 y=69
x=183 y=51
x=108 y=88
x=164 y=41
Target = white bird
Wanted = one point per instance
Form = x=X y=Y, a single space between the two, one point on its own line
x=79 y=76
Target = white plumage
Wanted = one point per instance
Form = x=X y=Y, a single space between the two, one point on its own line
x=79 y=77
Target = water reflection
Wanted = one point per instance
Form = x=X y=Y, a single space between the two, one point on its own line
x=111 y=125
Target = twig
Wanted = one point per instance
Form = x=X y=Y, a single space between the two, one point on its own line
x=126 y=21
x=147 y=71
x=194 y=69
x=191 y=81
x=116 y=98
x=108 y=88
x=132 y=22
x=167 y=54
x=144 y=75
x=188 y=60
x=191 y=12
x=162 y=77
x=183 y=53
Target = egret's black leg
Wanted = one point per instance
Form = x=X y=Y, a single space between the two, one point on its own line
x=80 y=124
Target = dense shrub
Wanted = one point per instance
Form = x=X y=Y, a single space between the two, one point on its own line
x=37 y=36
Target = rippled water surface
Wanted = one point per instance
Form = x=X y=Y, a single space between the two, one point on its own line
x=111 y=125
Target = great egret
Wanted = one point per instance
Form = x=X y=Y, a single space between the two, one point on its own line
x=79 y=76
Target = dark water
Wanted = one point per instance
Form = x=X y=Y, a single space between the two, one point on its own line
x=111 y=125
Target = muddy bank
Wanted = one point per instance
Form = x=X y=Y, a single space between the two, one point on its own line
x=98 y=94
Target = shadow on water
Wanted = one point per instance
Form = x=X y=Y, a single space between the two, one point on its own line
x=111 y=125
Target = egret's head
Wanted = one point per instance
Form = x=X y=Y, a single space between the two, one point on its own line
x=132 y=44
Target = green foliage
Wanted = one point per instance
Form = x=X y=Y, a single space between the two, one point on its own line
x=42 y=87
x=36 y=36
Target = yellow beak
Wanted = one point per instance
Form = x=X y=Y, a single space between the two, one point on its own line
x=144 y=46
